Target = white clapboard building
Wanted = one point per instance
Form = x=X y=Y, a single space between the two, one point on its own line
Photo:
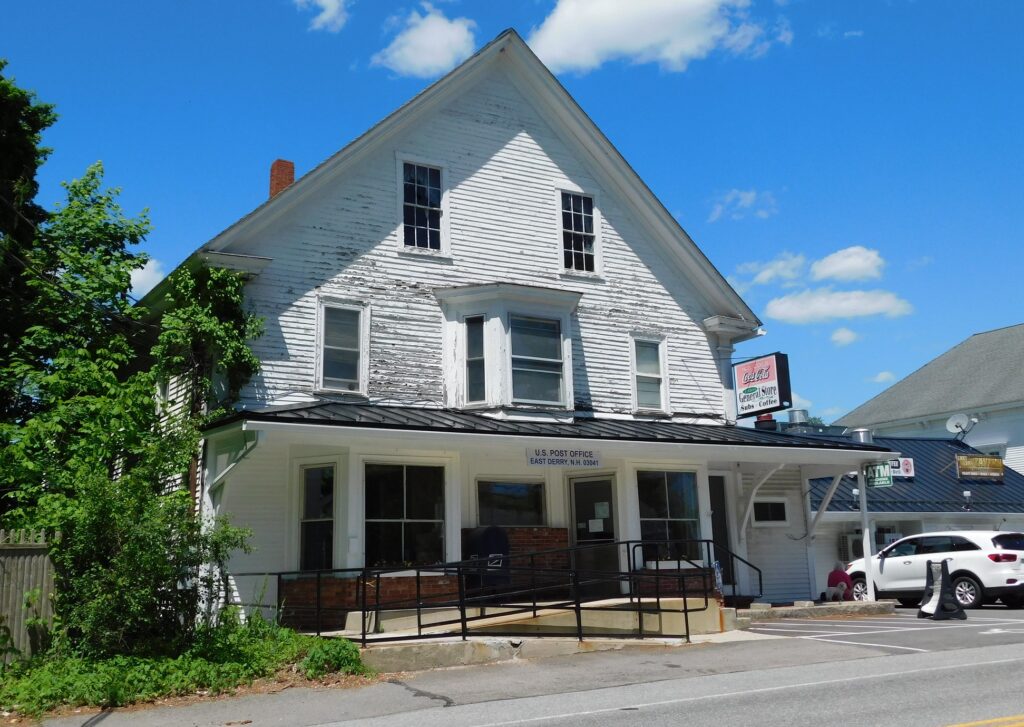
x=477 y=315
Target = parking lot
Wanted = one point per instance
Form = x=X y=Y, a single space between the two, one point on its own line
x=903 y=632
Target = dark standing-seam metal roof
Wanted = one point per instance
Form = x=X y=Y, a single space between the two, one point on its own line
x=934 y=487
x=339 y=414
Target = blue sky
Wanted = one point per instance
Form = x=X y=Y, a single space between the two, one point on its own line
x=854 y=168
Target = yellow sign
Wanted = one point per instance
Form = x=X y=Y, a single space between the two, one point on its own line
x=978 y=466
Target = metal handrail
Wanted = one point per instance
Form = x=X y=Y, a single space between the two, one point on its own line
x=553 y=581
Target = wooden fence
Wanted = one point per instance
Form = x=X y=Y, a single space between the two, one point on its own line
x=24 y=567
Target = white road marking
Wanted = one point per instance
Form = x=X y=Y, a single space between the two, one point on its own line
x=744 y=692
x=862 y=643
x=800 y=631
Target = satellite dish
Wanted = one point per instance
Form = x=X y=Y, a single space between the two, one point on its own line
x=957 y=424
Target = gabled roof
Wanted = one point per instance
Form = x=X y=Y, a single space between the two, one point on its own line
x=982 y=372
x=341 y=414
x=566 y=117
x=934 y=487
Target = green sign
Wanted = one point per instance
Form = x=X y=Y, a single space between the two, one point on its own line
x=878 y=474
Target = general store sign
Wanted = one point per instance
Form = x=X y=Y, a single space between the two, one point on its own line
x=762 y=385
x=878 y=475
x=979 y=467
x=902 y=467
x=561 y=456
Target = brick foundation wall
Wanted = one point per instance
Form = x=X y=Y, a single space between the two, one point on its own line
x=338 y=596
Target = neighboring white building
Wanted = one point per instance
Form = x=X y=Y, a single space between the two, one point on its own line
x=478 y=314
x=980 y=378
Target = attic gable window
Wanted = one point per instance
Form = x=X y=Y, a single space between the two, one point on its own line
x=422 y=195
x=578 y=232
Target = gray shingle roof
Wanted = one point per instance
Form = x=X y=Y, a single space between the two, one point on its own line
x=982 y=371
x=340 y=414
x=934 y=487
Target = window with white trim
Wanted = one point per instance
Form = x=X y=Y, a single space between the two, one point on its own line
x=536 y=349
x=476 y=371
x=341 y=341
x=422 y=196
x=669 y=513
x=404 y=515
x=770 y=512
x=316 y=527
x=578 y=236
x=510 y=503
x=648 y=378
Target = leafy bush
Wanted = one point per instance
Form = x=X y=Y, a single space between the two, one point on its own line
x=327 y=656
x=222 y=658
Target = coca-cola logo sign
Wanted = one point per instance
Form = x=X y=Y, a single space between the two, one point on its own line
x=761 y=385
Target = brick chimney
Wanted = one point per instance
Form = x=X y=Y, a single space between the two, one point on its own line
x=282 y=174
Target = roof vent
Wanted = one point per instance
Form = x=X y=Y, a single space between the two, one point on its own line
x=797 y=416
x=862 y=436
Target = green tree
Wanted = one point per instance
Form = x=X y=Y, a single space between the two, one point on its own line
x=93 y=455
x=22 y=122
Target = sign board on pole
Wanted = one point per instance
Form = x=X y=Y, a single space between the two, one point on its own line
x=902 y=467
x=762 y=385
x=878 y=474
x=979 y=467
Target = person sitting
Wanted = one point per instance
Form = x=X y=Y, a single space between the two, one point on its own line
x=840 y=585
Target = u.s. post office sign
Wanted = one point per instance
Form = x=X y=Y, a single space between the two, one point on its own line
x=762 y=385
x=560 y=455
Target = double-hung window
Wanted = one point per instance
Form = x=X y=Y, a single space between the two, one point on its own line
x=536 y=345
x=341 y=357
x=476 y=371
x=404 y=515
x=317 y=526
x=648 y=378
x=669 y=513
x=422 y=196
x=578 y=235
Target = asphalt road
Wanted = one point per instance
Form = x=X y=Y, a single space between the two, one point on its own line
x=889 y=671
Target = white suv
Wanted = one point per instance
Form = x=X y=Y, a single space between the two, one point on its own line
x=983 y=565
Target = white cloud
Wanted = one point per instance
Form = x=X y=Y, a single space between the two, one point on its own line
x=831 y=412
x=429 y=45
x=332 y=16
x=786 y=267
x=144 y=278
x=580 y=35
x=883 y=377
x=844 y=336
x=738 y=203
x=822 y=304
x=851 y=263
x=799 y=402
x=853 y=34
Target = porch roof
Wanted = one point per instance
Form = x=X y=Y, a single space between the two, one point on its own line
x=934 y=486
x=364 y=416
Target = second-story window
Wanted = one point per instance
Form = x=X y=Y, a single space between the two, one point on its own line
x=476 y=377
x=536 y=360
x=648 y=381
x=421 y=208
x=578 y=232
x=341 y=367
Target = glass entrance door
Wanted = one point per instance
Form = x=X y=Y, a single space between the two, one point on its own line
x=593 y=510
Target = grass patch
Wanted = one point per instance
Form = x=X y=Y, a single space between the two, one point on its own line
x=221 y=659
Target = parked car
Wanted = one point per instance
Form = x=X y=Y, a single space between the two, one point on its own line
x=984 y=565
